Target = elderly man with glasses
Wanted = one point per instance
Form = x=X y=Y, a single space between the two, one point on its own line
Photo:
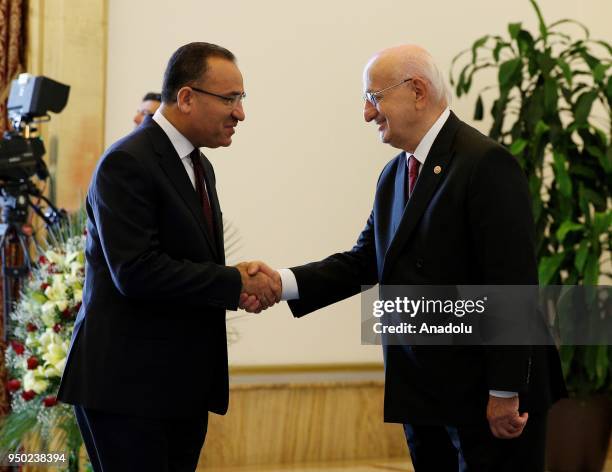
x=452 y=208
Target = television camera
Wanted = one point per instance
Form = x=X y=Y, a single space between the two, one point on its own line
x=21 y=157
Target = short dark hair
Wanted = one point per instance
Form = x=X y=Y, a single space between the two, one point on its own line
x=152 y=96
x=188 y=64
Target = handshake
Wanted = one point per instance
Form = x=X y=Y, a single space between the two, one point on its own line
x=261 y=286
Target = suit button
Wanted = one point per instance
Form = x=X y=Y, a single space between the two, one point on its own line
x=419 y=263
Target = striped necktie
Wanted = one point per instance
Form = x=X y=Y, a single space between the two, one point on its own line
x=198 y=170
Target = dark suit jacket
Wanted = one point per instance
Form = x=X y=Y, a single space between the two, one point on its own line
x=150 y=336
x=470 y=224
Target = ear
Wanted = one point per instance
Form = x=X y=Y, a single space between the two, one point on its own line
x=421 y=92
x=184 y=99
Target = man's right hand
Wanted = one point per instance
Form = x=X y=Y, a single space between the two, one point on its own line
x=261 y=286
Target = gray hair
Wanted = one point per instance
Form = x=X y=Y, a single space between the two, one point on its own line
x=421 y=64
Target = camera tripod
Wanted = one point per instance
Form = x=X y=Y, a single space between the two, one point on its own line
x=16 y=237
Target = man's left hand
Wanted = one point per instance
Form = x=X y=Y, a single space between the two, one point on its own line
x=504 y=419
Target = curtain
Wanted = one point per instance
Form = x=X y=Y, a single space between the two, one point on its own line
x=12 y=54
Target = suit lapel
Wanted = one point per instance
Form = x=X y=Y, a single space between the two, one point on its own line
x=440 y=156
x=174 y=169
x=400 y=193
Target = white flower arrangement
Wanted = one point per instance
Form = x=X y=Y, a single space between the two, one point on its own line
x=41 y=326
x=43 y=321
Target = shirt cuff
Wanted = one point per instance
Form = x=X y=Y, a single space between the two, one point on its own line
x=290 y=286
x=502 y=393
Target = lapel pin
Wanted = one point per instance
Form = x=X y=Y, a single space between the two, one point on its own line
x=437 y=170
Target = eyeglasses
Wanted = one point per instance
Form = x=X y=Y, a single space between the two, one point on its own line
x=375 y=97
x=229 y=100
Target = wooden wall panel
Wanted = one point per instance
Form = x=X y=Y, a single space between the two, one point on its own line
x=288 y=423
x=67 y=42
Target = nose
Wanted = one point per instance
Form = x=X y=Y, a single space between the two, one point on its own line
x=238 y=112
x=369 y=111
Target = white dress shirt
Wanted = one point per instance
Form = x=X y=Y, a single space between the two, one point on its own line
x=422 y=150
x=181 y=144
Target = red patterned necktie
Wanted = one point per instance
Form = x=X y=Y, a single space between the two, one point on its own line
x=198 y=170
x=413 y=173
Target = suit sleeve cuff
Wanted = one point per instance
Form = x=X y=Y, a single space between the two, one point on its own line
x=502 y=393
x=290 y=286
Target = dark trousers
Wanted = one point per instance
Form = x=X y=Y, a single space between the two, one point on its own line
x=437 y=448
x=117 y=443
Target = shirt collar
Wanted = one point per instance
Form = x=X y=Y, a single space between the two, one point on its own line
x=422 y=150
x=181 y=144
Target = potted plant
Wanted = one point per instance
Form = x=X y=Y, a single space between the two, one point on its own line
x=552 y=108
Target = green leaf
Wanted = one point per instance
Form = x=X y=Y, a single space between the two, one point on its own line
x=598 y=200
x=566 y=353
x=583 y=171
x=602 y=222
x=536 y=208
x=497 y=49
x=595 y=151
x=605 y=45
x=518 y=146
x=478 y=44
x=604 y=160
x=478 y=110
x=461 y=81
x=564 y=182
x=541 y=128
x=609 y=89
x=508 y=72
x=565 y=68
x=534 y=184
x=596 y=364
x=574 y=49
x=525 y=43
x=606 y=163
x=590 y=362
x=583 y=106
x=581 y=255
x=546 y=62
x=565 y=228
x=551 y=96
x=470 y=73
x=602 y=364
x=583 y=203
x=15 y=427
x=565 y=39
x=603 y=137
x=455 y=59
x=591 y=271
x=549 y=267
x=513 y=29
x=591 y=61
x=498 y=111
x=599 y=72
x=567 y=94
x=573 y=22
x=542 y=24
